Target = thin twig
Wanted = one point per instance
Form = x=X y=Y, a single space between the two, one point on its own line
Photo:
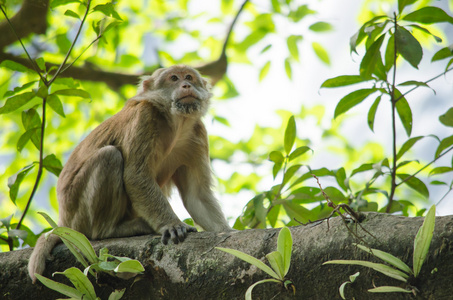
x=424 y=167
x=40 y=167
x=33 y=64
x=416 y=87
x=392 y=100
x=72 y=45
x=43 y=123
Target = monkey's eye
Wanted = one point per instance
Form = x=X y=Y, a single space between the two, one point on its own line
x=174 y=78
x=188 y=77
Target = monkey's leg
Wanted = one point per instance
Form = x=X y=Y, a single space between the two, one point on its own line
x=194 y=185
x=149 y=203
x=104 y=201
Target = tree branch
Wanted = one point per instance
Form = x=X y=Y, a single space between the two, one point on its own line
x=31 y=18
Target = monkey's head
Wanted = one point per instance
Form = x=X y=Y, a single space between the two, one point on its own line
x=180 y=89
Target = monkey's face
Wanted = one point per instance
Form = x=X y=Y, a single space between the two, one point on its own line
x=188 y=92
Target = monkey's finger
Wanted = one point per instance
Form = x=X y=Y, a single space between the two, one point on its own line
x=191 y=229
x=165 y=237
x=181 y=233
x=174 y=236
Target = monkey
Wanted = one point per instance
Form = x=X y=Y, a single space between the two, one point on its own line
x=117 y=180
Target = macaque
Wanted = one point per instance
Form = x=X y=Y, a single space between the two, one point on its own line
x=117 y=180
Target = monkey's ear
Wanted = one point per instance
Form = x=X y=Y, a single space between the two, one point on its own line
x=206 y=83
x=146 y=84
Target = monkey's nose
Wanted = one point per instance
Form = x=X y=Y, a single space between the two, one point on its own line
x=186 y=86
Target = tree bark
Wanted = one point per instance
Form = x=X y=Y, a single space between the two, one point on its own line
x=194 y=269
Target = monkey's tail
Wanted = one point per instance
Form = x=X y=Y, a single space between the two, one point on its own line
x=43 y=248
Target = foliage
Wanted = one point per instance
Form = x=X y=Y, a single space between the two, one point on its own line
x=81 y=248
x=398 y=269
x=394 y=182
x=279 y=260
x=69 y=83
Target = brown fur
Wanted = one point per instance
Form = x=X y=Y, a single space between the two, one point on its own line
x=116 y=182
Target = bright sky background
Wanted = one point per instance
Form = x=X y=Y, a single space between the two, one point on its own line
x=257 y=101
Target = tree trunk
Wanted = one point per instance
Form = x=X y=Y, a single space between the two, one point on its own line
x=194 y=269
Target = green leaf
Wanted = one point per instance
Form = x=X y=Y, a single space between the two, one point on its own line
x=407 y=146
x=288 y=70
x=52 y=164
x=56 y=3
x=13 y=66
x=404 y=112
x=320 y=27
x=423 y=240
x=71 y=14
x=60 y=287
x=285 y=248
x=290 y=173
x=423 y=29
x=276 y=168
x=403 y=3
x=15 y=181
x=340 y=176
x=389 y=289
x=372 y=61
x=117 y=294
x=248 y=293
x=443 y=53
x=351 y=100
x=260 y=210
x=108 y=10
x=264 y=70
x=298 y=152
x=415 y=183
x=25 y=137
x=131 y=266
x=387 y=257
x=296 y=211
x=272 y=215
x=384 y=269
x=19 y=88
x=78 y=240
x=251 y=260
x=342 y=80
x=48 y=219
x=290 y=134
x=372 y=112
x=16 y=102
x=429 y=15
x=341 y=289
x=276 y=157
x=321 y=52
x=80 y=282
x=389 y=56
x=276 y=261
x=447 y=118
x=301 y=12
x=440 y=170
x=408 y=46
x=55 y=103
x=72 y=92
x=362 y=168
x=292 y=46
x=444 y=144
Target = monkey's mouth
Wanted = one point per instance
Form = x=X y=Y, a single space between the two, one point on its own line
x=188 y=99
x=187 y=104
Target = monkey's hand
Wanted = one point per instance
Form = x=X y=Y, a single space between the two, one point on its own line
x=177 y=233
